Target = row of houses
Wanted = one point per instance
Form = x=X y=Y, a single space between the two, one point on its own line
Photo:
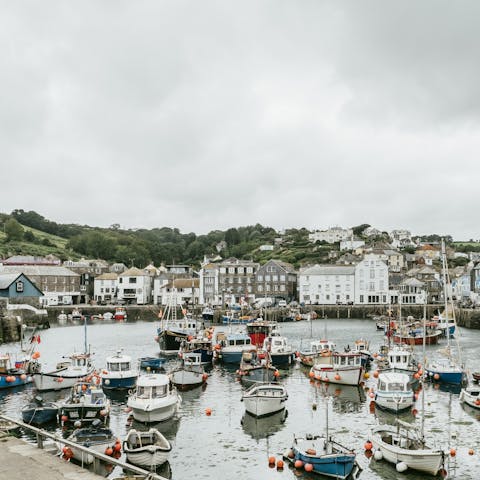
x=376 y=277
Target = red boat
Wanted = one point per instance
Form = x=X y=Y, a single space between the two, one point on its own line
x=258 y=330
x=120 y=314
x=409 y=339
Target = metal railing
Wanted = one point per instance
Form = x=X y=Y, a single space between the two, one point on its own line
x=42 y=434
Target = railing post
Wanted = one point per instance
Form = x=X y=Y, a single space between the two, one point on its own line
x=39 y=440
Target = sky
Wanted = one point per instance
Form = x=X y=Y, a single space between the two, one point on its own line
x=204 y=115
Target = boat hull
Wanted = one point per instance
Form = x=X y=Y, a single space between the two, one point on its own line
x=170 y=341
x=263 y=405
x=186 y=379
x=40 y=415
x=46 y=381
x=393 y=402
x=280 y=359
x=125 y=383
x=147 y=457
x=469 y=399
x=148 y=411
x=409 y=340
x=346 y=376
x=452 y=378
x=17 y=382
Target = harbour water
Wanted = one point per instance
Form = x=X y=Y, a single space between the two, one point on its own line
x=230 y=442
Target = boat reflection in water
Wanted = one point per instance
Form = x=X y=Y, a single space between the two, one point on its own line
x=169 y=427
x=164 y=470
x=385 y=417
x=345 y=398
x=263 y=427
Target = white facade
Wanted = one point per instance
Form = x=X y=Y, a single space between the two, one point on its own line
x=371 y=232
x=371 y=281
x=105 y=287
x=209 y=290
x=135 y=286
x=158 y=289
x=351 y=244
x=327 y=284
x=182 y=291
x=332 y=235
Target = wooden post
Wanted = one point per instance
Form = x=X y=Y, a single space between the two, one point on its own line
x=39 y=441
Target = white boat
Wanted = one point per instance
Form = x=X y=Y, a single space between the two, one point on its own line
x=265 y=399
x=207 y=313
x=191 y=372
x=62 y=318
x=345 y=369
x=281 y=352
x=471 y=396
x=146 y=449
x=119 y=373
x=66 y=375
x=97 y=437
x=86 y=402
x=319 y=351
x=400 y=359
x=108 y=316
x=403 y=446
x=393 y=392
x=155 y=399
x=120 y=314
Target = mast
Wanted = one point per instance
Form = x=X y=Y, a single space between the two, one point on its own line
x=85 y=334
x=326 y=419
x=444 y=278
x=423 y=365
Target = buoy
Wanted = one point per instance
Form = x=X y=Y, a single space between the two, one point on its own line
x=366 y=375
x=337 y=377
x=415 y=396
x=271 y=460
x=291 y=454
x=453 y=452
x=23 y=376
x=107 y=381
x=420 y=372
x=67 y=453
x=109 y=451
x=311 y=374
x=436 y=376
x=35 y=355
x=204 y=377
x=77 y=424
x=84 y=387
x=311 y=451
x=414 y=412
x=378 y=455
x=401 y=467
x=280 y=464
x=375 y=355
x=208 y=411
x=64 y=418
x=276 y=373
x=297 y=354
x=155 y=338
x=368 y=445
x=105 y=372
x=117 y=447
x=371 y=395
x=326 y=379
x=443 y=473
x=416 y=375
x=375 y=374
x=103 y=413
x=59 y=379
x=477 y=401
x=470 y=451
x=308 y=467
x=298 y=464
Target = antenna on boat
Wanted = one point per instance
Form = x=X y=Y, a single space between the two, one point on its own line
x=85 y=334
x=424 y=360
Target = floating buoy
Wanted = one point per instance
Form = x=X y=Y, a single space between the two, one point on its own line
x=420 y=372
x=118 y=446
x=64 y=418
x=366 y=375
x=436 y=376
x=471 y=452
x=308 y=467
x=414 y=412
x=416 y=375
x=298 y=464
x=337 y=377
x=208 y=411
x=375 y=355
x=401 y=467
x=311 y=374
x=23 y=376
x=453 y=452
x=378 y=455
x=375 y=374
x=368 y=445
x=280 y=464
x=271 y=460
x=67 y=453
x=291 y=454
x=109 y=451
x=35 y=355
x=477 y=401
x=276 y=373
x=84 y=387
x=443 y=473
x=204 y=377
x=105 y=372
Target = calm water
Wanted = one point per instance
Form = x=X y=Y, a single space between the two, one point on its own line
x=228 y=442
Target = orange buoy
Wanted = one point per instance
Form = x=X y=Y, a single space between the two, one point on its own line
x=64 y=418
x=326 y=379
x=311 y=374
x=371 y=395
x=109 y=451
x=208 y=411
x=470 y=451
x=204 y=376
x=375 y=374
x=117 y=447
x=298 y=464
x=35 y=355
x=416 y=396
x=368 y=445
x=280 y=464
x=276 y=373
x=60 y=379
x=436 y=376
x=308 y=467
x=453 y=452
x=291 y=454
x=477 y=401
x=414 y=412
x=416 y=375
x=337 y=377
x=271 y=460
x=23 y=376
x=84 y=387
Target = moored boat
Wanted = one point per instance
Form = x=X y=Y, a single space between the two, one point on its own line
x=265 y=399
x=319 y=351
x=38 y=411
x=146 y=449
x=393 y=392
x=190 y=374
x=256 y=367
x=232 y=347
x=151 y=363
x=280 y=351
x=345 y=369
x=120 y=314
x=207 y=313
x=471 y=396
x=10 y=376
x=119 y=373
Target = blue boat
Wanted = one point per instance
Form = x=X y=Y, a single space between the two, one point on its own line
x=326 y=456
x=203 y=346
x=38 y=411
x=154 y=363
x=11 y=377
x=446 y=371
x=232 y=347
x=119 y=374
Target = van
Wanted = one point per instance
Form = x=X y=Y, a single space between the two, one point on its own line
x=282 y=303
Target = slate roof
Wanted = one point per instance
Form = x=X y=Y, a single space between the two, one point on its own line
x=329 y=270
x=38 y=270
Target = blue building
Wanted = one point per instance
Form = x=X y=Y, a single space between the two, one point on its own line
x=17 y=286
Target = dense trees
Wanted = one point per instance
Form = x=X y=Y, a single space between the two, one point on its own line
x=13 y=230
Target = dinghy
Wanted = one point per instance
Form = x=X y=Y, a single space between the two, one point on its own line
x=146 y=449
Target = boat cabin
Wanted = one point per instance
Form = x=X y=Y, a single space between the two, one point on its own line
x=393 y=382
x=4 y=363
x=276 y=344
x=361 y=346
x=237 y=341
x=399 y=358
x=152 y=386
x=192 y=359
x=347 y=360
x=79 y=360
x=119 y=363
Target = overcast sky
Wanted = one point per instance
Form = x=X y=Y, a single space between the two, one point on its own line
x=211 y=114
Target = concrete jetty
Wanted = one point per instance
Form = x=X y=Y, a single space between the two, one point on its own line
x=21 y=460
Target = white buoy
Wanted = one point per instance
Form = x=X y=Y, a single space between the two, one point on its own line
x=107 y=381
x=378 y=455
x=401 y=467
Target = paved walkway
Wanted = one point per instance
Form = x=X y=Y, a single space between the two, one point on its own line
x=20 y=460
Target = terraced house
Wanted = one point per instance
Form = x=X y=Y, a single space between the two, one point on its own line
x=276 y=279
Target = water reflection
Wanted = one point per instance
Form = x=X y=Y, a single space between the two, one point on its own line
x=345 y=398
x=259 y=428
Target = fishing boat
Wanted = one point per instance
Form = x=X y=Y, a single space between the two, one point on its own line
x=471 y=396
x=259 y=330
x=38 y=411
x=153 y=364
x=256 y=367
x=86 y=402
x=449 y=368
x=232 y=346
x=146 y=449
x=190 y=374
x=108 y=316
x=280 y=351
x=413 y=335
x=345 y=369
x=362 y=347
x=443 y=323
x=325 y=456
x=404 y=446
x=293 y=315
x=319 y=351
x=119 y=373
x=207 y=314
x=476 y=376
x=400 y=359
x=393 y=392
x=66 y=375
x=155 y=399
x=201 y=344
x=173 y=331
x=120 y=314
x=10 y=376
x=236 y=317
x=265 y=399
x=76 y=316
x=96 y=436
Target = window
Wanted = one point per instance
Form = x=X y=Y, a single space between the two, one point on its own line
x=275 y=278
x=19 y=286
x=267 y=278
x=260 y=278
x=282 y=278
x=240 y=270
x=372 y=273
x=132 y=280
x=249 y=269
x=361 y=298
x=231 y=269
x=260 y=288
x=282 y=288
x=120 y=280
x=327 y=297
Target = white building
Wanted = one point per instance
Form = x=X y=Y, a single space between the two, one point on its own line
x=332 y=235
x=372 y=232
x=209 y=289
x=181 y=291
x=412 y=292
x=401 y=238
x=327 y=284
x=351 y=244
x=135 y=286
x=371 y=281
x=105 y=288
